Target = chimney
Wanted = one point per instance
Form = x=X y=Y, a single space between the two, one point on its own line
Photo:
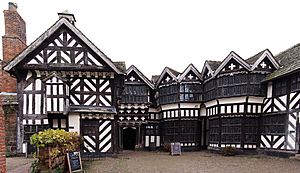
x=13 y=42
x=67 y=15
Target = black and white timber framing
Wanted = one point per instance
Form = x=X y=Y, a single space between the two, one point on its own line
x=66 y=82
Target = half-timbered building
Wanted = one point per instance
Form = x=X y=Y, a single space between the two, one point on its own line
x=179 y=97
x=280 y=118
x=64 y=81
x=234 y=100
x=133 y=113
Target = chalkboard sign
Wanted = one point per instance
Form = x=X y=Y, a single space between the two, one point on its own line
x=175 y=149
x=74 y=161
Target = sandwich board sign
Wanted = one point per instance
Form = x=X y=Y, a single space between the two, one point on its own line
x=74 y=161
x=175 y=148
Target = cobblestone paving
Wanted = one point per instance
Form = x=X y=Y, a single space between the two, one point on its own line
x=190 y=162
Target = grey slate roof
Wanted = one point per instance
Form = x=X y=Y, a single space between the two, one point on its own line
x=254 y=58
x=289 y=60
x=214 y=64
x=175 y=73
x=121 y=65
x=154 y=78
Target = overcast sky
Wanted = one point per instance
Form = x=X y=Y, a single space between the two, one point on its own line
x=158 y=33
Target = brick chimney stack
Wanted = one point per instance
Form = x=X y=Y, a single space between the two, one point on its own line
x=13 y=42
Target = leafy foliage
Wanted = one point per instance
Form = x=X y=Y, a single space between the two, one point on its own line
x=52 y=146
x=70 y=141
x=229 y=151
x=34 y=168
x=167 y=147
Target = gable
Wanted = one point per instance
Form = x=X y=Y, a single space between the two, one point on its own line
x=166 y=77
x=64 y=49
x=207 y=71
x=265 y=62
x=265 y=65
x=134 y=76
x=190 y=74
x=231 y=66
x=232 y=63
x=62 y=45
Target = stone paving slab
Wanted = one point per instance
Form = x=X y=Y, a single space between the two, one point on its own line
x=18 y=164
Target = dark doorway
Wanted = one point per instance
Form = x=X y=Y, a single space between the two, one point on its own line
x=129 y=138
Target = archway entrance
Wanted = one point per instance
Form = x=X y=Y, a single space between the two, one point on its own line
x=129 y=138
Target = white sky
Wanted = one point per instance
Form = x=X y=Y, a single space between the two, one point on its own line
x=158 y=33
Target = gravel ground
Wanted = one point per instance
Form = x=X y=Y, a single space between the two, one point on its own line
x=140 y=162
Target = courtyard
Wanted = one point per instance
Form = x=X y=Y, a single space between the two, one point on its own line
x=204 y=161
x=188 y=162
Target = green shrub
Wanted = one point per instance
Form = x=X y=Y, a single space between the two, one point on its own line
x=35 y=168
x=229 y=151
x=69 y=141
x=52 y=147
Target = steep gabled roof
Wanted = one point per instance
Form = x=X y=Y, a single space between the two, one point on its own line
x=154 y=78
x=214 y=64
x=50 y=32
x=192 y=68
x=209 y=67
x=267 y=53
x=290 y=55
x=141 y=75
x=290 y=61
x=171 y=72
x=176 y=73
x=121 y=65
x=236 y=57
x=254 y=58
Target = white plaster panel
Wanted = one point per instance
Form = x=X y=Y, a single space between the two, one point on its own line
x=189 y=105
x=234 y=109
x=74 y=121
x=269 y=90
x=232 y=100
x=169 y=106
x=252 y=99
x=241 y=108
x=157 y=141
x=30 y=104
x=146 y=141
x=211 y=103
x=38 y=100
x=222 y=109
x=228 y=109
